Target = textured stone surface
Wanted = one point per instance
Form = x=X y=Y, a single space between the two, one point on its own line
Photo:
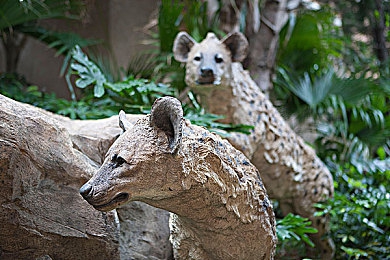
x=41 y=210
x=44 y=160
x=149 y=236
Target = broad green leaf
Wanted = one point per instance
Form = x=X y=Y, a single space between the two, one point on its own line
x=98 y=90
x=294 y=226
x=80 y=69
x=84 y=82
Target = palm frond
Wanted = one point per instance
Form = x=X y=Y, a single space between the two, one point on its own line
x=144 y=64
x=353 y=90
x=309 y=91
x=13 y=13
x=62 y=42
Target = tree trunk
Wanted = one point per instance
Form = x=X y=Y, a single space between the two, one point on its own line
x=13 y=45
x=379 y=32
x=262 y=27
x=264 y=43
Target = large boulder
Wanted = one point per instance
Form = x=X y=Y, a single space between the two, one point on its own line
x=144 y=232
x=44 y=160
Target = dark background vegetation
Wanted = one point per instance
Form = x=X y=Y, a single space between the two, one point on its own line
x=331 y=77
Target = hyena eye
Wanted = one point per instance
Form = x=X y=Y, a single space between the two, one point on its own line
x=118 y=160
x=197 y=58
x=218 y=58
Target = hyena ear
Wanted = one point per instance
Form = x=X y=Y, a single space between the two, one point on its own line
x=167 y=116
x=123 y=122
x=182 y=46
x=238 y=45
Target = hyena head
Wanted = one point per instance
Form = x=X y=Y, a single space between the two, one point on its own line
x=208 y=63
x=136 y=166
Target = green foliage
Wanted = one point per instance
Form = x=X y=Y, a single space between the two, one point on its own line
x=351 y=114
x=168 y=20
x=354 y=12
x=292 y=232
x=89 y=72
x=103 y=97
x=15 y=86
x=16 y=13
x=21 y=17
x=196 y=21
x=294 y=227
x=360 y=224
x=133 y=95
x=309 y=40
x=188 y=15
x=349 y=104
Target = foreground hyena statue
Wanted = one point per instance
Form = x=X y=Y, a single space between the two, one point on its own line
x=291 y=171
x=221 y=209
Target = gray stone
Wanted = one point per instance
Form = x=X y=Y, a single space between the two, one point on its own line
x=44 y=160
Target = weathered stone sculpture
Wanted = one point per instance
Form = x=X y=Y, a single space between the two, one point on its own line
x=291 y=171
x=221 y=209
x=41 y=213
x=44 y=159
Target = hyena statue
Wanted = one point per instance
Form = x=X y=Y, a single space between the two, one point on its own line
x=291 y=171
x=220 y=208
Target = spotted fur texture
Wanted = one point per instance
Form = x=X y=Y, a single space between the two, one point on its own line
x=220 y=207
x=291 y=171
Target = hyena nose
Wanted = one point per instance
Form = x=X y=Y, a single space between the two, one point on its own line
x=206 y=72
x=86 y=191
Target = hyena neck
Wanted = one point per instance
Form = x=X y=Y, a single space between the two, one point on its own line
x=199 y=173
x=218 y=100
x=190 y=206
x=232 y=97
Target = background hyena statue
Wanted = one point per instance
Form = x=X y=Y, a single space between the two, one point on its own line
x=221 y=207
x=291 y=171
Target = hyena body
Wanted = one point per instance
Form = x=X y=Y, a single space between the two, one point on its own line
x=291 y=171
x=221 y=209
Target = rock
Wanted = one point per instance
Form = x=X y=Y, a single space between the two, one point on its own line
x=149 y=236
x=44 y=160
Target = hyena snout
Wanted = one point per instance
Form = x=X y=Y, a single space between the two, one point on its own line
x=86 y=191
x=206 y=72
x=101 y=200
x=206 y=75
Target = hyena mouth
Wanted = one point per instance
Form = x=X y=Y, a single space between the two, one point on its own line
x=115 y=202
x=206 y=80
